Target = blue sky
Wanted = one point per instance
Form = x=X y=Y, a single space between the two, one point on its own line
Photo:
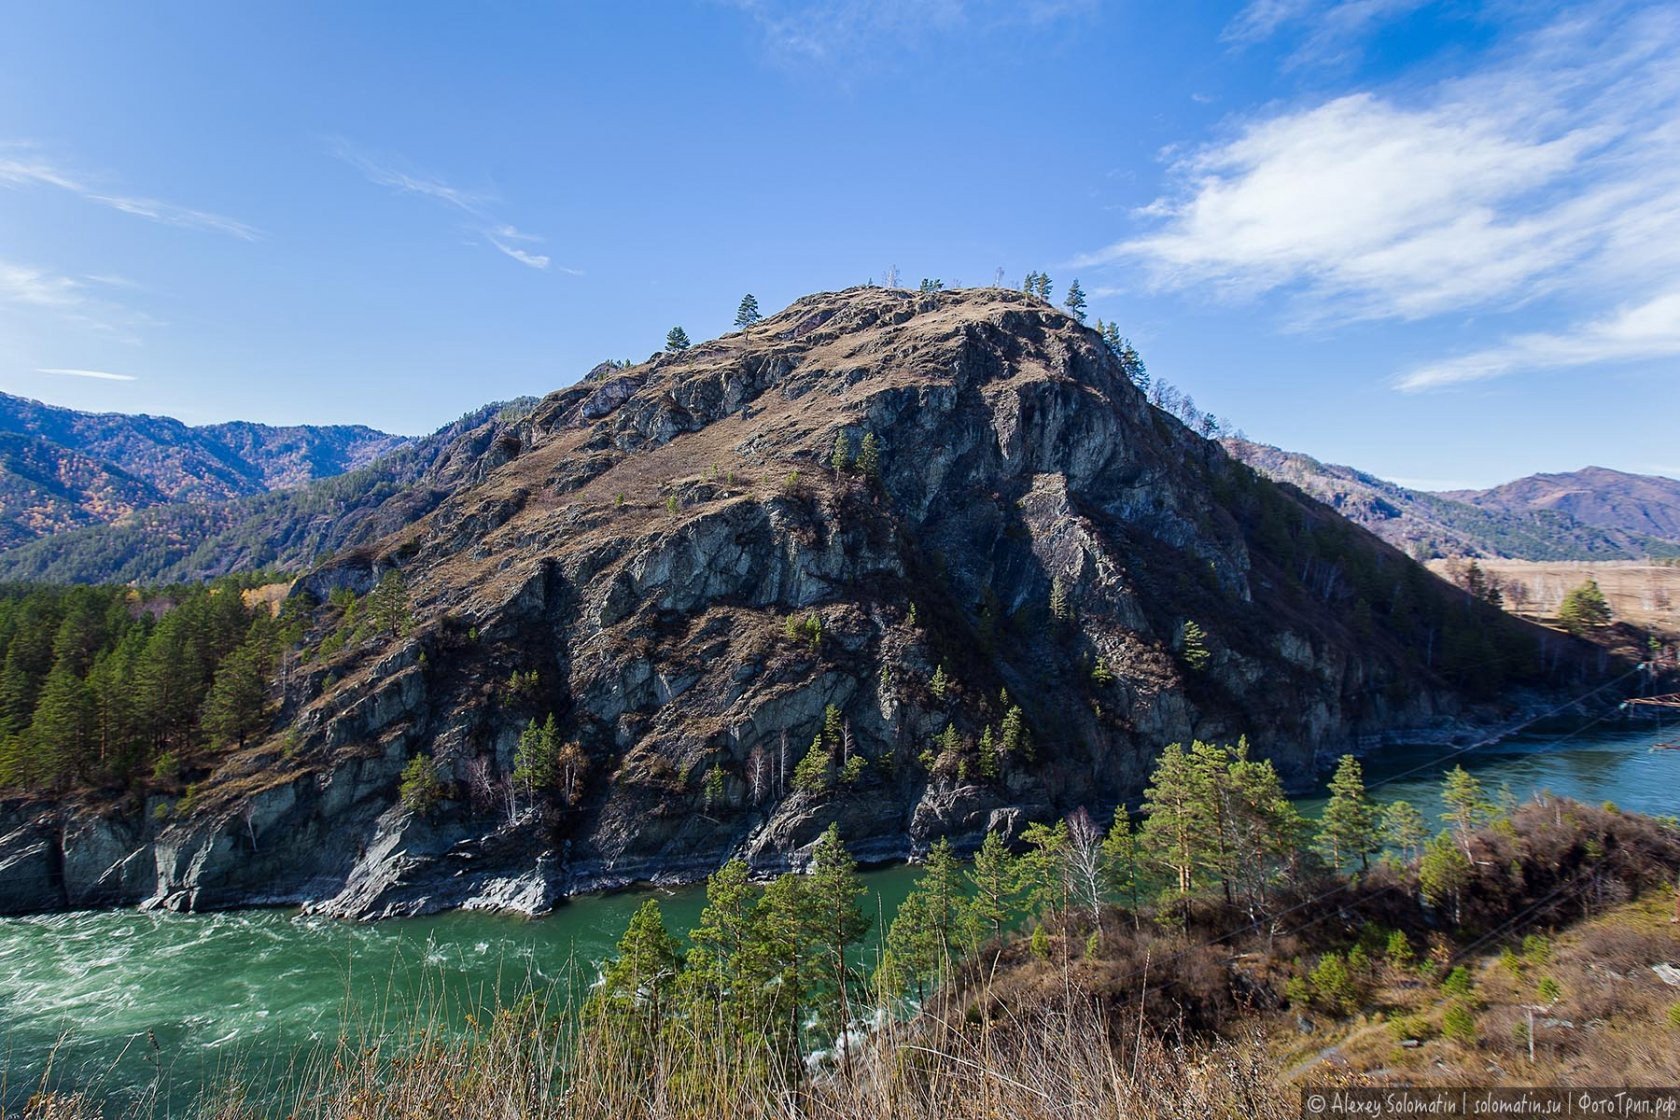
x=1437 y=241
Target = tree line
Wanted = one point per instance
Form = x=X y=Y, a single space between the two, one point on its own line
x=115 y=686
x=101 y=685
x=775 y=966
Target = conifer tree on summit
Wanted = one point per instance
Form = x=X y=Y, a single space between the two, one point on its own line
x=747 y=314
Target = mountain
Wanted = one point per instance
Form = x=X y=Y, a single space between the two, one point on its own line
x=60 y=469
x=1429 y=525
x=286 y=529
x=1637 y=504
x=922 y=565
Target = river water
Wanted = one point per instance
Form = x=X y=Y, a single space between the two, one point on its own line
x=245 y=994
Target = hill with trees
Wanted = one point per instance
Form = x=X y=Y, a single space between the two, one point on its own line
x=918 y=565
x=61 y=469
x=1615 y=501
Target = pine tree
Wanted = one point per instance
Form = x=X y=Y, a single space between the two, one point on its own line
x=1013 y=736
x=1178 y=825
x=1044 y=287
x=812 y=774
x=1350 y=827
x=933 y=929
x=676 y=340
x=236 y=707
x=717 y=985
x=777 y=960
x=832 y=896
x=1121 y=852
x=841 y=458
x=1259 y=831
x=536 y=758
x=869 y=457
x=387 y=605
x=747 y=314
x=1041 y=872
x=991 y=878
x=61 y=733
x=1584 y=609
x=1075 y=301
x=1405 y=828
x=1193 y=646
x=1443 y=873
x=635 y=993
x=1059 y=608
x=939 y=684
x=1467 y=804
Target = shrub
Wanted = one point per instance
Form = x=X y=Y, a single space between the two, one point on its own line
x=1459 y=1024
x=1459 y=983
x=1399 y=951
x=1040 y=943
x=1536 y=949
x=1333 y=985
x=1403 y=1027
x=1674 y=1016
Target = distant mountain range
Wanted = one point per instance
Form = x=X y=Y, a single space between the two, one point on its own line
x=62 y=469
x=285 y=528
x=1643 y=504
x=1591 y=514
x=91 y=498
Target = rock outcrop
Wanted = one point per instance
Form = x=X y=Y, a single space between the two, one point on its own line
x=993 y=618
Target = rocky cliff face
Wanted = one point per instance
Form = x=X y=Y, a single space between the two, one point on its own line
x=665 y=560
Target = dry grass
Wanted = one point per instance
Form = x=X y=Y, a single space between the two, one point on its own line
x=1053 y=1064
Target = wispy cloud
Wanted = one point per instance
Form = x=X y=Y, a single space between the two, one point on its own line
x=35 y=291
x=22 y=167
x=1554 y=174
x=833 y=31
x=477 y=205
x=95 y=374
x=1330 y=30
x=1644 y=331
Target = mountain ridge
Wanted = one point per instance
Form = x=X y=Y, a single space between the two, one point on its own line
x=61 y=468
x=1432 y=524
x=1644 y=504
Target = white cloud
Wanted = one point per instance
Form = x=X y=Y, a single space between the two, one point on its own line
x=1553 y=174
x=478 y=205
x=96 y=374
x=1641 y=332
x=22 y=169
